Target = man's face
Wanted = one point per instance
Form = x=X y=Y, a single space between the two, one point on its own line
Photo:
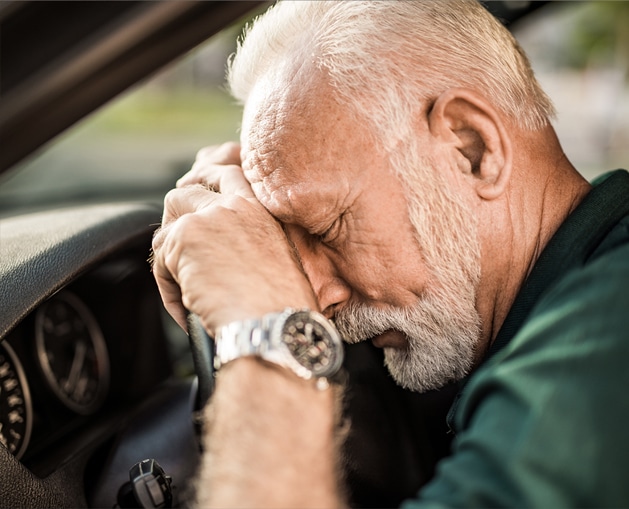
x=372 y=244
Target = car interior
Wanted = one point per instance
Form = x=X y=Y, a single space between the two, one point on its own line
x=99 y=389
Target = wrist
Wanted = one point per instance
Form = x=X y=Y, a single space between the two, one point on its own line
x=259 y=414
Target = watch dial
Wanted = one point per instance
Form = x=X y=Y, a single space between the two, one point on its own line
x=16 y=418
x=314 y=342
x=72 y=353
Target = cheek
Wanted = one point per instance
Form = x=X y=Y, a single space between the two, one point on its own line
x=390 y=274
x=400 y=257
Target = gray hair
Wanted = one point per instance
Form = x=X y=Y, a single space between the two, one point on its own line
x=389 y=60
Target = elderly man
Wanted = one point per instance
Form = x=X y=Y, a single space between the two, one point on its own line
x=398 y=174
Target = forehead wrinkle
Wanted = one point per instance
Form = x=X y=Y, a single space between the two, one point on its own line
x=281 y=102
x=261 y=156
x=268 y=131
x=298 y=204
x=277 y=180
x=291 y=152
x=268 y=178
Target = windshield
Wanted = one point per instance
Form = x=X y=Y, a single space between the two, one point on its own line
x=137 y=146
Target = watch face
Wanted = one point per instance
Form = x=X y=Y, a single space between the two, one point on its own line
x=314 y=343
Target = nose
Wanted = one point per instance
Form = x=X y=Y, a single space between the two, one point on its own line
x=330 y=289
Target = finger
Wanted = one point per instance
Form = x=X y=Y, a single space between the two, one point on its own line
x=171 y=296
x=227 y=153
x=205 y=153
x=207 y=158
x=224 y=179
x=185 y=200
x=168 y=287
x=198 y=174
x=232 y=181
x=205 y=173
x=159 y=236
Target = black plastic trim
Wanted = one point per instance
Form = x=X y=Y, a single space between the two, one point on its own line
x=42 y=252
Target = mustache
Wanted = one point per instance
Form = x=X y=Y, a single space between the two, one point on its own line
x=360 y=322
x=429 y=319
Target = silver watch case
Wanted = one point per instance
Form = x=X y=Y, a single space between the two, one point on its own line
x=301 y=340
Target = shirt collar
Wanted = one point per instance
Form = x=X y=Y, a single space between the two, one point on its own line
x=570 y=247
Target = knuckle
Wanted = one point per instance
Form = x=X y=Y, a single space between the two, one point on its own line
x=228 y=152
x=229 y=173
x=205 y=152
x=171 y=199
x=188 y=226
x=234 y=202
x=158 y=239
x=232 y=148
x=170 y=262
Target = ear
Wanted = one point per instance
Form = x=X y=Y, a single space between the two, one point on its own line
x=474 y=130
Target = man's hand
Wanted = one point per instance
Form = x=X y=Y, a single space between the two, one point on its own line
x=270 y=437
x=219 y=253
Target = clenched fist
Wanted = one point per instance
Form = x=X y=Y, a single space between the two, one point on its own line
x=219 y=253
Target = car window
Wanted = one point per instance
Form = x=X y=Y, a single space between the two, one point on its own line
x=138 y=145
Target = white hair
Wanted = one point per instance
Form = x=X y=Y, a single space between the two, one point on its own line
x=389 y=60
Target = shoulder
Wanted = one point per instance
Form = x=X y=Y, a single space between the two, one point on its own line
x=543 y=423
x=586 y=309
x=578 y=329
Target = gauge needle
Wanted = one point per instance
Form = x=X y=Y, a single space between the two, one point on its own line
x=77 y=366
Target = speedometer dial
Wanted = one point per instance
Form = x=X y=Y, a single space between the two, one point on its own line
x=16 y=418
x=72 y=353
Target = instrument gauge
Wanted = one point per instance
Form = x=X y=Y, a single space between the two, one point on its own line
x=71 y=352
x=16 y=415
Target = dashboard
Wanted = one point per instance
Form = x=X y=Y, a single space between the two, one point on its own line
x=92 y=348
x=94 y=375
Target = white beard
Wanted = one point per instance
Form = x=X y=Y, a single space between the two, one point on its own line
x=440 y=340
x=443 y=328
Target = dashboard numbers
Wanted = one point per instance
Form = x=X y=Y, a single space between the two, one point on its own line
x=16 y=418
x=72 y=353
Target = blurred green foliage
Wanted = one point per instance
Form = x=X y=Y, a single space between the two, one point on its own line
x=173 y=112
x=600 y=36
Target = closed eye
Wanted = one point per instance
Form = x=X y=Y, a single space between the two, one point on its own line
x=332 y=233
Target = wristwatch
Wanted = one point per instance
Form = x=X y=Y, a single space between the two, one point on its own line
x=303 y=341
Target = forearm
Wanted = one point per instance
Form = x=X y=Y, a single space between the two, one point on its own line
x=271 y=440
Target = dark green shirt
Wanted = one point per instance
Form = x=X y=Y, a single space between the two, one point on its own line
x=544 y=422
